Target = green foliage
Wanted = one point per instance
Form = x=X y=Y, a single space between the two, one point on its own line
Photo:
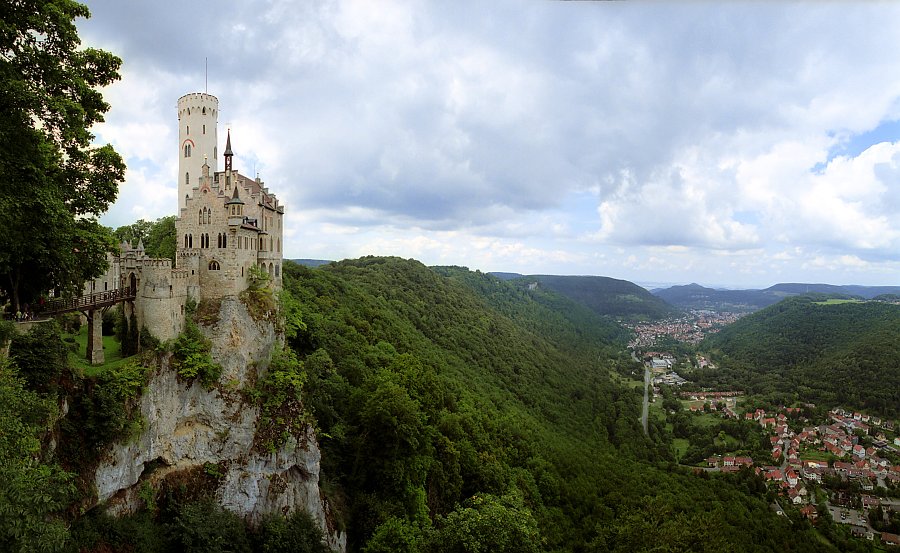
x=831 y=354
x=487 y=524
x=297 y=533
x=433 y=386
x=126 y=333
x=205 y=527
x=50 y=99
x=282 y=413
x=291 y=313
x=101 y=412
x=32 y=491
x=41 y=356
x=158 y=236
x=258 y=277
x=191 y=356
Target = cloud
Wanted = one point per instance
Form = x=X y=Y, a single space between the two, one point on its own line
x=551 y=134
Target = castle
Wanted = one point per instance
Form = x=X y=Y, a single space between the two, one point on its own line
x=226 y=224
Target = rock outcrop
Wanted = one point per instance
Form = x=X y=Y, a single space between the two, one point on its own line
x=186 y=426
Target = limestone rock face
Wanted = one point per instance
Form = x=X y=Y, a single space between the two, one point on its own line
x=186 y=426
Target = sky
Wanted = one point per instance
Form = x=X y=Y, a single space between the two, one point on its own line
x=729 y=144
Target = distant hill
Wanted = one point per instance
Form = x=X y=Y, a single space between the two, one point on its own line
x=835 y=353
x=695 y=296
x=313 y=263
x=506 y=276
x=607 y=296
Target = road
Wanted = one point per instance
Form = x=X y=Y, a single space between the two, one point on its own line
x=646 y=411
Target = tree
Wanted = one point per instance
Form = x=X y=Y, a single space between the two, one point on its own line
x=31 y=491
x=55 y=182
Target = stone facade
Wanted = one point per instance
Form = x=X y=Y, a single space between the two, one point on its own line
x=226 y=224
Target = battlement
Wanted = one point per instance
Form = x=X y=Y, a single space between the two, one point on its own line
x=163 y=262
x=179 y=273
x=191 y=252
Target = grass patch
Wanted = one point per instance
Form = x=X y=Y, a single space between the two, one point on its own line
x=836 y=301
x=706 y=420
x=112 y=353
x=815 y=455
x=680 y=445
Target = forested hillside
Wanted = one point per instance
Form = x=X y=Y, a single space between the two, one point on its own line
x=606 y=296
x=458 y=412
x=835 y=353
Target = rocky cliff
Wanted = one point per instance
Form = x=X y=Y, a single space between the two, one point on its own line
x=188 y=428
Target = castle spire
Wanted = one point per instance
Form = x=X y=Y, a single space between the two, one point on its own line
x=228 y=155
x=228 y=145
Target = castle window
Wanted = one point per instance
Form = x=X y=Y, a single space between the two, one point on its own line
x=213 y=265
x=242 y=271
x=187 y=128
x=278 y=244
x=271 y=270
x=204 y=110
x=190 y=240
x=200 y=216
x=224 y=240
x=204 y=129
x=277 y=268
x=187 y=178
x=187 y=150
x=215 y=149
x=208 y=215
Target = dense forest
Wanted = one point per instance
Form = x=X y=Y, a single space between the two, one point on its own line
x=809 y=348
x=462 y=413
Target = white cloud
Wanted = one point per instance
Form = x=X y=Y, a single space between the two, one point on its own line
x=646 y=138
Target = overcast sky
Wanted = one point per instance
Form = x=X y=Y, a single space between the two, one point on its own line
x=720 y=143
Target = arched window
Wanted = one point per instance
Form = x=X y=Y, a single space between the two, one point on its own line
x=271 y=269
x=187 y=178
x=208 y=215
x=278 y=244
x=213 y=265
x=185 y=241
x=204 y=129
x=219 y=240
x=204 y=110
x=190 y=240
x=187 y=128
x=224 y=240
x=277 y=268
x=200 y=216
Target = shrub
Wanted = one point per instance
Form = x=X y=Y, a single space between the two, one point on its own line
x=297 y=533
x=191 y=356
x=206 y=527
x=40 y=356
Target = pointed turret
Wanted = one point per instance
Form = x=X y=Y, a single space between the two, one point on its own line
x=228 y=152
x=235 y=209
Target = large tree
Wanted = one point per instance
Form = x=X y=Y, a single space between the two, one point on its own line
x=54 y=182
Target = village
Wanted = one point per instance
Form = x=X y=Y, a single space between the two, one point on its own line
x=849 y=464
x=690 y=329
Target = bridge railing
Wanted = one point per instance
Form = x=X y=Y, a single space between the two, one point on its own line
x=90 y=301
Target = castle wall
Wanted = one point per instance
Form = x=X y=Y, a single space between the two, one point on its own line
x=161 y=296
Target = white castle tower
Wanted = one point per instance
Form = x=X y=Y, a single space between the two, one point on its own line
x=197 y=121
